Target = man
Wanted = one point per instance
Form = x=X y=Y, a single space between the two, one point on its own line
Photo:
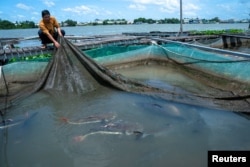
x=49 y=30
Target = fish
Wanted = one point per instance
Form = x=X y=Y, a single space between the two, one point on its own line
x=126 y=128
x=115 y=128
x=83 y=137
x=99 y=118
x=9 y=123
x=12 y=122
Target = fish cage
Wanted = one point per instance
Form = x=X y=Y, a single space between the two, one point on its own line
x=221 y=69
x=128 y=105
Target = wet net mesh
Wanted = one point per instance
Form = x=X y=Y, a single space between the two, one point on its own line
x=69 y=70
x=73 y=71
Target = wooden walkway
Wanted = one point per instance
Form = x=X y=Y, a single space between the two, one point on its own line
x=236 y=36
x=22 y=52
x=83 y=43
x=100 y=41
x=192 y=38
x=156 y=34
x=90 y=42
x=232 y=41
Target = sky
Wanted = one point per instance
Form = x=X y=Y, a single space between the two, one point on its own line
x=89 y=10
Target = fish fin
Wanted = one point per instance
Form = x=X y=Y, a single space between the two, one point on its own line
x=64 y=119
x=79 y=138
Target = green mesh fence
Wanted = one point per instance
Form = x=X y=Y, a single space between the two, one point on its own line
x=222 y=64
x=225 y=65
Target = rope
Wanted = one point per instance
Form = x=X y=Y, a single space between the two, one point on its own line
x=6 y=86
x=232 y=98
x=4 y=79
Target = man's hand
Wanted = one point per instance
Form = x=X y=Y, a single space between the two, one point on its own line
x=57 y=45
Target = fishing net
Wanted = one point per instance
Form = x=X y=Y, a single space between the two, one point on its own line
x=73 y=71
x=69 y=70
x=215 y=43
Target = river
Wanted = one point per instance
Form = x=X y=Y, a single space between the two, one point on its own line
x=118 y=29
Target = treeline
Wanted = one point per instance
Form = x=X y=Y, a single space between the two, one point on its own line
x=152 y=21
x=5 y=24
x=175 y=21
x=142 y=20
x=69 y=23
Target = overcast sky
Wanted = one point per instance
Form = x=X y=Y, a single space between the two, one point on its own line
x=89 y=10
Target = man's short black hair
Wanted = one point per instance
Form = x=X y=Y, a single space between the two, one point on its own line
x=45 y=12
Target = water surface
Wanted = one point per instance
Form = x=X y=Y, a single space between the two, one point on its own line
x=46 y=129
x=118 y=29
x=170 y=131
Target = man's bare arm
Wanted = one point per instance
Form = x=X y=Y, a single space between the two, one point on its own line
x=57 y=45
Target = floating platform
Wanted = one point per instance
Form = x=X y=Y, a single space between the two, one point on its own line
x=80 y=41
x=99 y=41
x=89 y=42
x=184 y=37
x=231 y=41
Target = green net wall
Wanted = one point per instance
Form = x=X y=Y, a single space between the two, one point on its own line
x=220 y=64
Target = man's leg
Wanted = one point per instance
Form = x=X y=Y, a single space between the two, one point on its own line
x=44 y=38
x=63 y=32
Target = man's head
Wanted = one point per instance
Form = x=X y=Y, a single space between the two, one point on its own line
x=46 y=15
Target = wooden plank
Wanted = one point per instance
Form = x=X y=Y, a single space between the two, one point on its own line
x=26 y=49
x=32 y=50
x=1 y=52
x=14 y=50
x=35 y=48
x=7 y=51
x=184 y=38
x=237 y=36
x=20 y=50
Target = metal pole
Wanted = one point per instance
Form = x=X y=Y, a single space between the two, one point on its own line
x=181 y=28
x=249 y=23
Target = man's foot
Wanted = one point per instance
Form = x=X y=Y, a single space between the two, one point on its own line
x=44 y=46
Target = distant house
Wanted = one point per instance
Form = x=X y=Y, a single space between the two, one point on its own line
x=245 y=21
x=228 y=21
x=98 y=21
x=138 y=22
x=64 y=24
x=186 y=21
x=110 y=22
x=121 y=22
x=82 y=23
x=130 y=22
x=195 y=21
